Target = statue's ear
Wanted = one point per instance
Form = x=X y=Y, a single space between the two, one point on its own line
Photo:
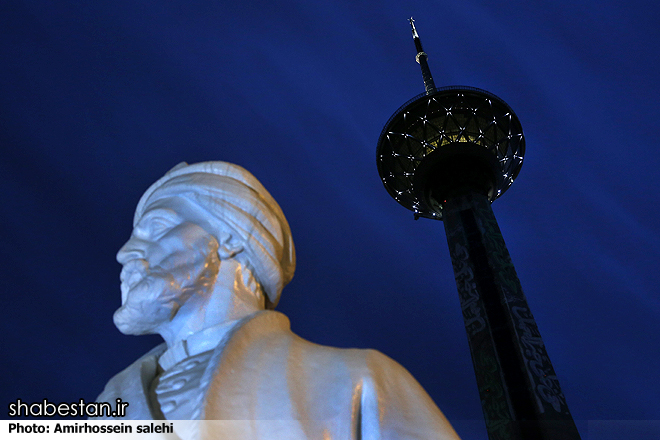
x=229 y=247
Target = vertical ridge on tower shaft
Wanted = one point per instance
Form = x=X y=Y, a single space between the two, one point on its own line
x=421 y=59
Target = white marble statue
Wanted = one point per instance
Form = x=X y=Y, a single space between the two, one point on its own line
x=206 y=263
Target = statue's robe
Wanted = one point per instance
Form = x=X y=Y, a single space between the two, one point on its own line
x=267 y=383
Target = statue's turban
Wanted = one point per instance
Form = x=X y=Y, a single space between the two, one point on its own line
x=236 y=203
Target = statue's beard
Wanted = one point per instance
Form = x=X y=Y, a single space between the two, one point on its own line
x=157 y=295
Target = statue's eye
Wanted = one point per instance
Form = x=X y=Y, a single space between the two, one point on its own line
x=158 y=227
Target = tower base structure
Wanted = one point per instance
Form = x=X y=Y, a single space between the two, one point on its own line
x=520 y=394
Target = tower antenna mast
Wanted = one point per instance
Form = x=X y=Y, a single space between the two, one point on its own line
x=422 y=60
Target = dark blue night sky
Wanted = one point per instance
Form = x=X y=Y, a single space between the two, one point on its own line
x=99 y=99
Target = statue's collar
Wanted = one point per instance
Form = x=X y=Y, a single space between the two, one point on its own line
x=197 y=343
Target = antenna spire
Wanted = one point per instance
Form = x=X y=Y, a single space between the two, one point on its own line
x=421 y=59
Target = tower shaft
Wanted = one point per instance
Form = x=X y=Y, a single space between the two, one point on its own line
x=520 y=394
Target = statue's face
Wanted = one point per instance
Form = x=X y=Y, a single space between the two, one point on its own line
x=165 y=261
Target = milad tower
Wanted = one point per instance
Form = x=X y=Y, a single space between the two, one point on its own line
x=447 y=155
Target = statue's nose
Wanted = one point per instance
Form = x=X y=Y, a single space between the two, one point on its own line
x=132 y=249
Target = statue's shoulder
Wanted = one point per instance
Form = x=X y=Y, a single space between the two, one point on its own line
x=267 y=372
x=385 y=388
x=279 y=342
x=361 y=362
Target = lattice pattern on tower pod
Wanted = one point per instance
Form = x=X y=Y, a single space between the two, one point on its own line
x=452 y=114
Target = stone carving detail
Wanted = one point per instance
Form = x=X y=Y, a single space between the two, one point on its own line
x=493 y=304
x=495 y=404
x=536 y=359
x=472 y=312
